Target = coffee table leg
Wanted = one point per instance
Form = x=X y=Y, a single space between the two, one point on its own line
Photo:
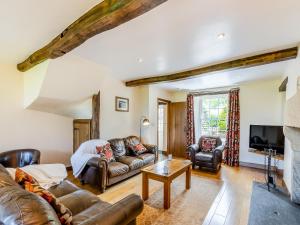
x=145 y=186
x=167 y=194
x=188 y=178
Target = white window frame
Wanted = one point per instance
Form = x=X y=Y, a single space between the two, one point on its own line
x=198 y=116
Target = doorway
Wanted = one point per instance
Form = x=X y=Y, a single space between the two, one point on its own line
x=163 y=125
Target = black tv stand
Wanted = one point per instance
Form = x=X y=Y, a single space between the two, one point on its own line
x=270 y=170
x=270 y=175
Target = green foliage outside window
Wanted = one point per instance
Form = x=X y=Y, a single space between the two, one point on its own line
x=214 y=115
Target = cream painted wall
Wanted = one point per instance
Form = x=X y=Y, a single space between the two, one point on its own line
x=261 y=104
x=154 y=94
x=21 y=128
x=33 y=81
x=292 y=72
x=179 y=96
x=71 y=79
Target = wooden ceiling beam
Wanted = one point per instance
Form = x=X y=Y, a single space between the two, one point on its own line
x=256 y=60
x=102 y=17
x=283 y=85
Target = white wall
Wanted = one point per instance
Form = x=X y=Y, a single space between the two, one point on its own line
x=260 y=104
x=20 y=128
x=148 y=96
x=179 y=96
x=71 y=79
x=33 y=81
x=292 y=72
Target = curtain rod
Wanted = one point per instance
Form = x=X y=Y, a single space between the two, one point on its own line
x=200 y=93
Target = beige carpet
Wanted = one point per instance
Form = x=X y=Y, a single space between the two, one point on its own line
x=187 y=207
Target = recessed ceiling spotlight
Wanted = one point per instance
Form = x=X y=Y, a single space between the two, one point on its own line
x=221 y=36
x=140 y=60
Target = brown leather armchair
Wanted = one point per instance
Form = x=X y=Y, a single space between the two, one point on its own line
x=100 y=173
x=20 y=158
x=211 y=160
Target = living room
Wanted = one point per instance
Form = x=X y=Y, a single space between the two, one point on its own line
x=157 y=75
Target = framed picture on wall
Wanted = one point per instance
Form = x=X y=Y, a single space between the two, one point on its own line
x=122 y=104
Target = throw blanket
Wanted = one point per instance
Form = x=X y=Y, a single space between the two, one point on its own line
x=85 y=152
x=47 y=175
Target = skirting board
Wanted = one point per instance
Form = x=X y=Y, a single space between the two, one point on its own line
x=259 y=166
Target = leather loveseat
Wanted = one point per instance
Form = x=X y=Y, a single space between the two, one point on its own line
x=18 y=206
x=99 y=172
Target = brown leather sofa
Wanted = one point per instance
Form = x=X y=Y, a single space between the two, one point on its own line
x=18 y=206
x=99 y=172
x=211 y=161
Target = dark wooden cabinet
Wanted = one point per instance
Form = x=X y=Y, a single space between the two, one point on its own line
x=81 y=132
x=178 y=129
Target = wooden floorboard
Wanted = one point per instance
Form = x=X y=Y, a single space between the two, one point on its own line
x=231 y=206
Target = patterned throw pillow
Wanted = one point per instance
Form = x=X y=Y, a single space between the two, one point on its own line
x=30 y=184
x=138 y=149
x=208 y=144
x=21 y=177
x=106 y=152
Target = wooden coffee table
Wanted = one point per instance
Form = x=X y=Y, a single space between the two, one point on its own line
x=176 y=167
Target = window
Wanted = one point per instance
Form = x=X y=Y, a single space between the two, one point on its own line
x=162 y=126
x=211 y=115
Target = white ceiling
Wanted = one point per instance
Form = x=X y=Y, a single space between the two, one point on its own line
x=28 y=25
x=177 y=35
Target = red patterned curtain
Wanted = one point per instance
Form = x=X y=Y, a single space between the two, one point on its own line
x=232 y=146
x=190 y=133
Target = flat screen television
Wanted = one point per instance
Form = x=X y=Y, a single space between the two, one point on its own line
x=265 y=137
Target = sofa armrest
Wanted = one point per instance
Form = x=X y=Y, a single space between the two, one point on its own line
x=102 y=166
x=121 y=213
x=97 y=162
x=193 y=149
x=218 y=153
x=152 y=149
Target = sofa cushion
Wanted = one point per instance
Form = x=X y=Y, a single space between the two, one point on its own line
x=64 y=188
x=204 y=156
x=18 y=206
x=133 y=162
x=116 y=169
x=131 y=141
x=147 y=158
x=85 y=198
x=90 y=212
x=118 y=147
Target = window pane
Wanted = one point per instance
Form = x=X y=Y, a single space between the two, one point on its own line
x=214 y=115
